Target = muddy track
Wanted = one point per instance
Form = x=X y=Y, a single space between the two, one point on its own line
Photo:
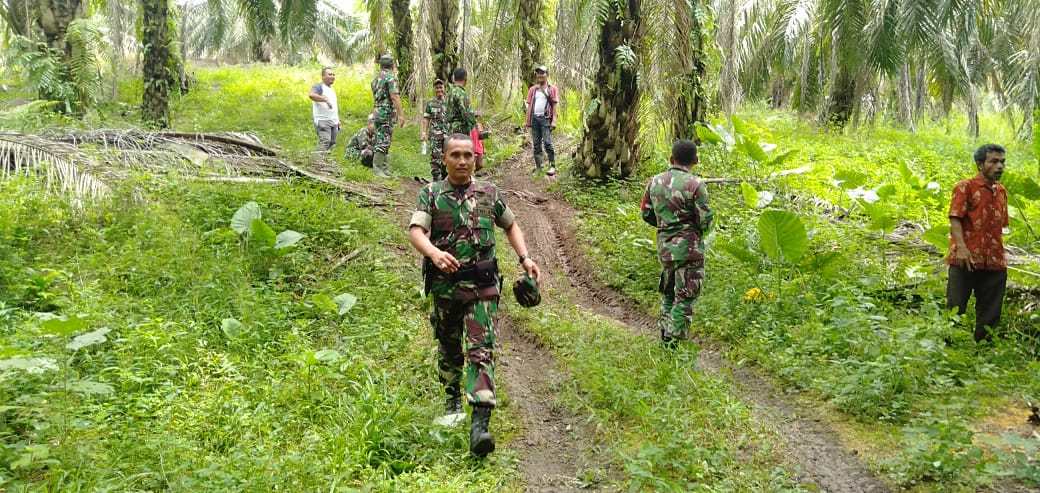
x=548 y=222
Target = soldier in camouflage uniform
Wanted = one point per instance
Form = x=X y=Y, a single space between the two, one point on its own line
x=433 y=130
x=460 y=117
x=360 y=145
x=676 y=203
x=387 y=111
x=461 y=273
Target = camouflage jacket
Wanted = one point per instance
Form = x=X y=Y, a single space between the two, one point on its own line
x=435 y=113
x=360 y=143
x=383 y=87
x=460 y=118
x=676 y=203
x=461 y=220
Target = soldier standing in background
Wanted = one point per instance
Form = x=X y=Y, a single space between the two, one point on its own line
x=387 y=100
x=460 y=117
x=676 y=203
x=433 y=130
x=460 y=268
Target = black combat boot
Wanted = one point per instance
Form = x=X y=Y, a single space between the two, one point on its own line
x=481 y=442
x=453 y=402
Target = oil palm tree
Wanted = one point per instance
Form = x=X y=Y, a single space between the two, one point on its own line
x=610 y=143
x=155 y=62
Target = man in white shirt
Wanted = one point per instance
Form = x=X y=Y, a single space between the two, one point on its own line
x=326 y=111
x=542 y=99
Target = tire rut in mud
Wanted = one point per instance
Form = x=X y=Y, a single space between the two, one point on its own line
x=547 y=222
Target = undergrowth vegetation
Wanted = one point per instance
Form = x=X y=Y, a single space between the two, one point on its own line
x=826 y=270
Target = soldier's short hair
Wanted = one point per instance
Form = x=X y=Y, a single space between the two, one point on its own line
x=438 y=82
x=459 y=74
x=981 y=152
x=685 y=152
x=456 y=136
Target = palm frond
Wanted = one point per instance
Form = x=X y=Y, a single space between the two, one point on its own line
x=62 y=166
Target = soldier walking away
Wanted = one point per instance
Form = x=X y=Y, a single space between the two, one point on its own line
x=542 y=99
x=325 y=109
x=387 y=100
x=360 y=146
x=433 y=130
x=676 y=203
x=978 y=263
x=453 y=228
x=460 y=117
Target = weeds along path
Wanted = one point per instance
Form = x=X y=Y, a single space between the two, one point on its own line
x=554 y=445
x=547 y=222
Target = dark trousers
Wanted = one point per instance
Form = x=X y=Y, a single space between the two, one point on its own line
x=541 y=135
x=988 y=286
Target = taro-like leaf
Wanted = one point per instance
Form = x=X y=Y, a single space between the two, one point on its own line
x=232 y=328
x=286 y=239
x=1021 y=185
x=328 y=355
x=263 y=233
x=88 y=339
x=345 y=302
x=939 y=236
x=782 y=235
x=243 y=219
x=324 y=303
x=63 y=326
x=849 y=179
x=749 y=193
x=706 y=135
x=89 y=387
x=28 y=365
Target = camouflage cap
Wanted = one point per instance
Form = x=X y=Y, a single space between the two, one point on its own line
x=526 y=292
x=386 y=58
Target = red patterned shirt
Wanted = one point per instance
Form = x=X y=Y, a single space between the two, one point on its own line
x=982 y=209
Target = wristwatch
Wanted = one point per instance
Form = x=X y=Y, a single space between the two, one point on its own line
x=524 y=257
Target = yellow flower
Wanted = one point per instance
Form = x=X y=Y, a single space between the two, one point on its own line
x=753 y=294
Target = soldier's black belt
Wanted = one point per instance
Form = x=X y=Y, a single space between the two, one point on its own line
x=483 y=273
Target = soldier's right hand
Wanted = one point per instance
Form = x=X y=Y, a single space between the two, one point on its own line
x=445 y=261
x=423 y=138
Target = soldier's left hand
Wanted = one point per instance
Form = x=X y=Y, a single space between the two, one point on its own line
x=532 y=270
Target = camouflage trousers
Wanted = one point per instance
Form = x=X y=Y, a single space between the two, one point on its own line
x=437 y=168
x=465 y=334
x=680 y=287
x=383 y=134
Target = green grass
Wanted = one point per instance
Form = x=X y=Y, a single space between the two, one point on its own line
x=868 y=334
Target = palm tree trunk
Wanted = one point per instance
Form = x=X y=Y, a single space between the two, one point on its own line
x=609 y=142
x=691 y=103
x=444 y=32
x=530 y=17
x=53 y=17
x=155 y=37
x=403 y=41
x=843 y=96
x=904 y=106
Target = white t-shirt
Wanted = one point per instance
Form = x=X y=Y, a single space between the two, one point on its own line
x=540 y=101
x=322 y=112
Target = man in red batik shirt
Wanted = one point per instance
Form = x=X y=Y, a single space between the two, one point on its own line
x=978 y=215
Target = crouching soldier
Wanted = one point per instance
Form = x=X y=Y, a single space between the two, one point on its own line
x=360 y=145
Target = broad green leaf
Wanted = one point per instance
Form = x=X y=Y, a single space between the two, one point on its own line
x=886 y=191
x=879 y=220
x=749 y=193
x=793 y=171
x=754 y=150
x=742 y=253
x=263 y=233
x=781 y=159
x=324 y=303
x=1020 y=185
x=327 y=355
x=345 y=302
x=849 y=179
x=286 y=239
x=739 y=127
x=908 y=176
x=28 y=365
x=88 y=387
x=243 y=218
x=88 y=339
x=706 y=135
x=232 y=328
x=782 y=235
x=63 y=326
x=938 y=236
x=822 y=263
